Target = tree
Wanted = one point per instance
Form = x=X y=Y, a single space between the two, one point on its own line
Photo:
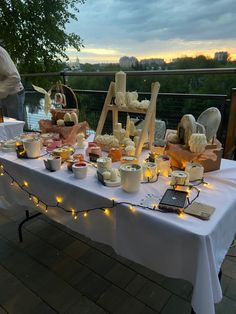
x=33 y=32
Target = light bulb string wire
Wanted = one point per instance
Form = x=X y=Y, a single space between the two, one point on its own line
x=114 y=204
x=196 y=196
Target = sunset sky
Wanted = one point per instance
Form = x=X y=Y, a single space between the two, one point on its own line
x=165 y=29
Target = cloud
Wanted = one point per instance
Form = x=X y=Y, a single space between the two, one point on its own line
x=94 y=55
x=131 y=26
x=99 y=51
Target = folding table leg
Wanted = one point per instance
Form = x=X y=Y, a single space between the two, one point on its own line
x=28 y=217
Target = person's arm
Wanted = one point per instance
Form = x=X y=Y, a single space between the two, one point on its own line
x=10 y=77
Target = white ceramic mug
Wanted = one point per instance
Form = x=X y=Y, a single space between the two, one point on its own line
x=32 y=147
x=53 y=163
x=80 y=170
x=130 y=175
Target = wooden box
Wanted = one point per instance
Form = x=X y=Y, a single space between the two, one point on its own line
x=210 y=159
x=67 y=133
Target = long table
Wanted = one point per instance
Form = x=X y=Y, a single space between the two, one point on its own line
x=178 y=247
x=10 y=128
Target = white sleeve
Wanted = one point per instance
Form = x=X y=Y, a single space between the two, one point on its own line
x=10 y=77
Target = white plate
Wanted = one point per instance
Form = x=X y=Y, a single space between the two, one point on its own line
x=112 y=183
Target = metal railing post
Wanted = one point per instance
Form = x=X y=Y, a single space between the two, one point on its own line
x=231 y=129
x=63 y=75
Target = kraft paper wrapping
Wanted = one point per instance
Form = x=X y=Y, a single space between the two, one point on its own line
x=210 y=159
x=67 y=133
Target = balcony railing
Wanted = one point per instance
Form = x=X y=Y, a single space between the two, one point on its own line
x=170 y=107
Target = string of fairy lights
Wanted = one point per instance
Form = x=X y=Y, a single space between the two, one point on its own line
x=38 y=202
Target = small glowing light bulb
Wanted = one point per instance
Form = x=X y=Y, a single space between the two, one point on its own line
x=148 y=173
x=85 y=214
x=75 y=217
x=107 y=211
x=26 y=183
x=132 y=208
x=35 y=200
x=59 y=199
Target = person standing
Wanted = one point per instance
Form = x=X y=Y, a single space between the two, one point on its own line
x=12 y=94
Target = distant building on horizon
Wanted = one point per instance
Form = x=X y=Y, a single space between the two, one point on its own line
x=128 y=62
x=152 y=64
x=221 y=56
x=151 y=61
x=75 y=65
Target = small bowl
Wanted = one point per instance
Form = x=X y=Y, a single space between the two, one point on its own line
x=63 y=152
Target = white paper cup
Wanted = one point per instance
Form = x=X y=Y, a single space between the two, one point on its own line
x=54 y=163
x=32 y=147
x=80 y=170
x=130 y=175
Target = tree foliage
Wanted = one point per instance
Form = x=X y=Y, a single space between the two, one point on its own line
x=196 y=83
x=169 y=108
x=33 y=31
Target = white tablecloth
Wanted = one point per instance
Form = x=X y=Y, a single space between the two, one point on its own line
x=186 y=248
x=10 y=128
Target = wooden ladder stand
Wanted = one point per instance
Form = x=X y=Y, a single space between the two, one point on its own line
x=149 y=121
